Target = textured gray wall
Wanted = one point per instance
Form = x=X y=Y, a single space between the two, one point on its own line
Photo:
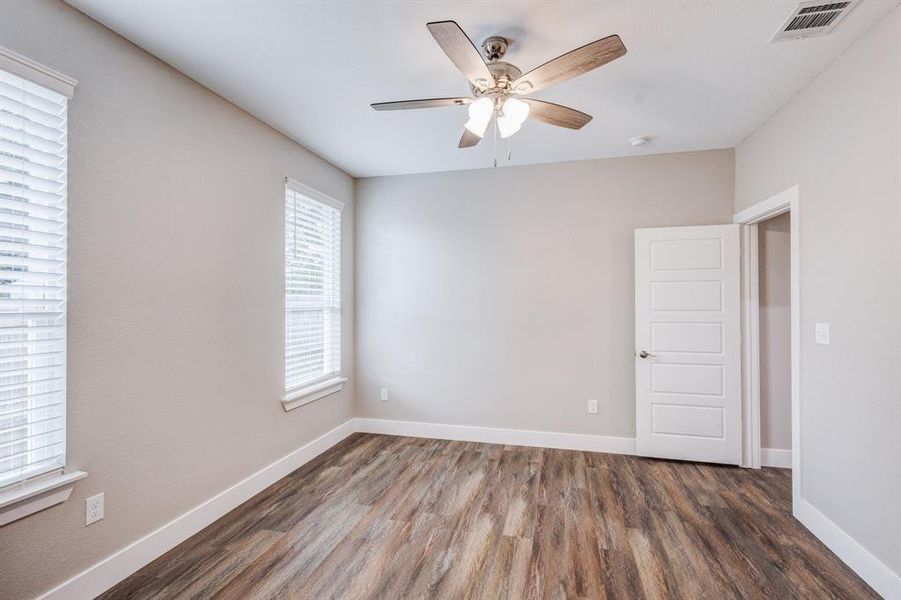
x=175 y=295
x=840 y=141
x=505 y=297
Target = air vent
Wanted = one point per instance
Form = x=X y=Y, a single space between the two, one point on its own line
x=813 y=19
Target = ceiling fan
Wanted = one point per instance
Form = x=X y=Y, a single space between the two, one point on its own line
x=496 y=84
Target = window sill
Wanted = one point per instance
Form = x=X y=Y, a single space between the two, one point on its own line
x=24 y=499
x=306 y=395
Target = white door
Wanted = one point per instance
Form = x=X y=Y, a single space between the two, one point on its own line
x=688 y=343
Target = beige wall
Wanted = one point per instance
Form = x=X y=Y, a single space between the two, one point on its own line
x=175 y=329
x=774 y=266
x=840 y=141
x=504 y=297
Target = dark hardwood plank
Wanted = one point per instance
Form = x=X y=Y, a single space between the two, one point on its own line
x=394 y=517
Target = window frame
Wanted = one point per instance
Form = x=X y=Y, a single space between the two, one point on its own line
x=332 y=382
x=53 y=486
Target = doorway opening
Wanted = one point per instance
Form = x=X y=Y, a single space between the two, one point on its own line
x=771 y=334
x=774 y=333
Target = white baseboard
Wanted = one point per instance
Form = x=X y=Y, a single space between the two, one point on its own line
x=886 y=582
x=116 y=567
x=494 y=435
x=776 y=457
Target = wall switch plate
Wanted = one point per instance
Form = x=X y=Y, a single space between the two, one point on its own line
x=93 y=509
x=821 y=335
x=593 y=406
x=383 y=394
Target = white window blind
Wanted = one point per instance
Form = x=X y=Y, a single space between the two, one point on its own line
x=312 y=290
x=32 y=279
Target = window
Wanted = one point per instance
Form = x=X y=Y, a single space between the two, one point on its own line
x=32 y=276
x=312 y=295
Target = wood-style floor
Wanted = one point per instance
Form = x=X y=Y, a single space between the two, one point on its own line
x=392 y=517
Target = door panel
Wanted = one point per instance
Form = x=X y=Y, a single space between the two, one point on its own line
x=686 y=295
x=697 y=380
x=687 y=337
x=687 y=318
x=705 y=421
x=670 y=255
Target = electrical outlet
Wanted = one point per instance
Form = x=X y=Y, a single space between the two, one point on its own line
x=821 y=334
x=93 y=509
x=383 y=394
x=593 y=406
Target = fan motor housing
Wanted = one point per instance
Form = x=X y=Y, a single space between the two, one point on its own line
x=504 y=74
x=495 y=47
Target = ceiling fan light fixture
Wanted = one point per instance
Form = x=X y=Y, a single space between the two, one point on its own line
x=493 y=83
x=480 y=113
x=477 y=127
x=513 y=114
x=507 y=126
x=516 y=110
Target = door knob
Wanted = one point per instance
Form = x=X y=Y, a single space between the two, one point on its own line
x=644 y=354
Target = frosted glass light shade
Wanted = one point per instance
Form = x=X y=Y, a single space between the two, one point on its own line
x=507 y=126
x=515 y=112
x=480 y=113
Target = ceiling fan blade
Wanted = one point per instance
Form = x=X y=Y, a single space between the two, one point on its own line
x=555 y=114
x=579 y=61
x=469 y=139
x=462 y=52
x=425 y=103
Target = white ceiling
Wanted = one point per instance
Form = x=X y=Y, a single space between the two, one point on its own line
x=698 y=75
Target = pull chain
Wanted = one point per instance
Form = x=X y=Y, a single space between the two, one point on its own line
x=495 y=143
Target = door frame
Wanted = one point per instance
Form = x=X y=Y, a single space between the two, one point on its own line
x=786 y=201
